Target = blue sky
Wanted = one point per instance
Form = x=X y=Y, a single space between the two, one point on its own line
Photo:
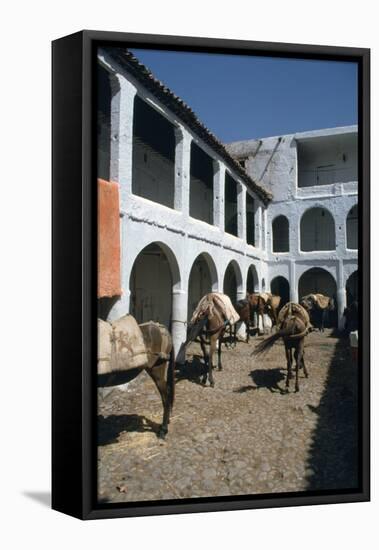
x=243 y=97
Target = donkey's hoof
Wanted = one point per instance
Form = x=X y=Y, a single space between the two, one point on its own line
x=162 y=433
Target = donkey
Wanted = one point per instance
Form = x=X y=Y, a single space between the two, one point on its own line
x=243 y=309
x=264 y=303
x=317 y=305
x=294 y=326
x=209 y=322
x=160 y=367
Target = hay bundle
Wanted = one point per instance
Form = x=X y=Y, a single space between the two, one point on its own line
x=120 y=346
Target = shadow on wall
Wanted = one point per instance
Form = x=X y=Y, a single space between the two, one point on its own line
x=333 y=457
x=104 y=306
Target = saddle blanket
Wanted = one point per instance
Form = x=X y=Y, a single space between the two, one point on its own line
x=220 y=302
x=321 y=300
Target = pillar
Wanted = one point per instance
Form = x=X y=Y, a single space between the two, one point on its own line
x=294 y=287
x=341 y=295
x=264 y=229
x=121 y=171
x=179 y=323
x=219 y=195
x=258 y=228
x=122 y=110
x=182 y=170
x=241 y=212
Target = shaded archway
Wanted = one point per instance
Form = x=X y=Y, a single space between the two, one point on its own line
x=154 y=276
x=232 y=280
x=352 y=288
x=280 y=234
x=202 y=279
x=252 y=284
x=280 y=286
x=318 y=280
x=352 y=228
x=317 y=230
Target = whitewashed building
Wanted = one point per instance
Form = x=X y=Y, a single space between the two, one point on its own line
x=312 y=220
x=197 y=216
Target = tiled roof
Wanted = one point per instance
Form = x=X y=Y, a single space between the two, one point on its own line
x=141 y=73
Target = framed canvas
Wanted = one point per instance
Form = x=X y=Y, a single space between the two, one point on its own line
x=210 y=274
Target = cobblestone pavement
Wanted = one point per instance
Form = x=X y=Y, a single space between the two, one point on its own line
x=244 y=436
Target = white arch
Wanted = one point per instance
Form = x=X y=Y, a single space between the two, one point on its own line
x=238 y=274
x=173 y=263
x=321 y=269
x=211 y=266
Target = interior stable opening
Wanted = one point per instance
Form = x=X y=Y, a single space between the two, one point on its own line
x=352 y=289
x=326 y=160
x=352 y=229
x=317 y=231
x=250 y=219
x=151 y=284
x=153 y=155
x=200 y=283
x=280 y=287
x=252 y=280
x=280 y=234
x=231 y=205
x=319 y=281
x=201 y=185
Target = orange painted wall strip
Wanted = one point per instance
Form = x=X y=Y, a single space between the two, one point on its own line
x=109 y=254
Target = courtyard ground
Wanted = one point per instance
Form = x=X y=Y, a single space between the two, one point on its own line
x=244 y=436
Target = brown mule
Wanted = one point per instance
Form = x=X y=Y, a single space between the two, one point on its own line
x=209 y=321
x=294 y=326
x=264 y=303
x=159 y=365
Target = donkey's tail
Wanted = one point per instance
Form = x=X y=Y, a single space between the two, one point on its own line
x=297 y=336
x=171 y=378
x=286 y=333
x=267 y=343
x=195 y=329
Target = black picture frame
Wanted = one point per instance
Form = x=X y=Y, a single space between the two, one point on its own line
x=74 y=330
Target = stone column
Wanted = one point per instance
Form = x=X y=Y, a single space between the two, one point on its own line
x=179 y=323
x=340 y=229
x=293 y=232
x=219 y=195
x=241 y=212
x=258 y=227
x=264 y=229
x=122 y=110
x=294 y=290
x=182 y=170
x=341 y=295
x=121 y=171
